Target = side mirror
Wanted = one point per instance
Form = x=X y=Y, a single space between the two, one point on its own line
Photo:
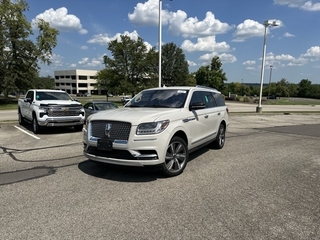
x=197 y=106
x=27 y=100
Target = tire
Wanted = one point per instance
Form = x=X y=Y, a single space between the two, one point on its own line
x=20 y=118
x=35 y=125
x=78 y=128
x=220 y=140
x=176 y=158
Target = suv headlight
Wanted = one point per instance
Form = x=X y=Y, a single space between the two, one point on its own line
x=152 y=127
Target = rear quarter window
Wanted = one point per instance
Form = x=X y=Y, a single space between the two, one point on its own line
x=219 y=99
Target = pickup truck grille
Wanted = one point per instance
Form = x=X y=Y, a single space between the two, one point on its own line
x=63 y=113
x=118 y=130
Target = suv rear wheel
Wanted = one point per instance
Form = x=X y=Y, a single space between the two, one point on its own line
x=176 y=157
x=218 y=143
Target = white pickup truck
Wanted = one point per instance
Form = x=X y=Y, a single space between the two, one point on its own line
x=50 y=108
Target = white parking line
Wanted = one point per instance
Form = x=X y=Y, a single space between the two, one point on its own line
x=27 y=132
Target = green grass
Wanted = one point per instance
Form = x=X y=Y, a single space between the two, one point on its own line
x=292 y=101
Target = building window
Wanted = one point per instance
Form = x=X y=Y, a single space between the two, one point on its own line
x=57 y=84
x=56 y=77
x=73 y=77
x=67 y=76
x=68 y=84
x=82 y=85
x=61 y=76
x=92 y=77
x=74 y=85
x=83 y=77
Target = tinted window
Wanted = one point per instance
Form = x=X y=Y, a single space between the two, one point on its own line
x=219 y=99
x=208 y=99
x=30 y=95
x=196 y=98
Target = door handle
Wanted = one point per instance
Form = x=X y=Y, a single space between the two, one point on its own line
x=206 y=116
x=219 y=114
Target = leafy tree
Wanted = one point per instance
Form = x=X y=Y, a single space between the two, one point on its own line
x=191 y=81
x=305 y=87
x=19 y=56
x=174 y=66
x=212 y=75
x=43 y=82
x=132 y=66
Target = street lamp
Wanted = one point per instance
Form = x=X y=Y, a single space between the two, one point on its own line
x=266 y=23
x=159 y=42
x=270 y=80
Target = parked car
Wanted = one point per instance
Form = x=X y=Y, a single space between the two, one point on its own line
x=125 y=99
x=96 y=106
x=158 y=127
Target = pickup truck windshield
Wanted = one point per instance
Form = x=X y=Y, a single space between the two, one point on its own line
x=40 y=96
x=164 y=98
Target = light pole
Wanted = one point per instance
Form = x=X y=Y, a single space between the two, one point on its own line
x=270 y=80
x=266 y=23
x=159 y=41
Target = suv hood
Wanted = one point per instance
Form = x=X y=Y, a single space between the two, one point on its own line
x=135 y=115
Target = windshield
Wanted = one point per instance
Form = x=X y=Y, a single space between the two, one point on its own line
x=162 y=98
x=53 y=96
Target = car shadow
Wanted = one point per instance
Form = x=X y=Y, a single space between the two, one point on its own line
x=128 y=173
x=49 y=130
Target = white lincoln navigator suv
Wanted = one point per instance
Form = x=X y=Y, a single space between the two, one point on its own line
x=159 y=126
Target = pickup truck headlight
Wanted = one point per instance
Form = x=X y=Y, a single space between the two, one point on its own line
x=152 y=127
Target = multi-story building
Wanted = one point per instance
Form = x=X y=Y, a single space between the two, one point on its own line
x=76 y=81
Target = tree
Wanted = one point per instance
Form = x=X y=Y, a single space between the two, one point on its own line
x=132 y=66
x=20 y=56
x=305 y=87
x=212 y=75
x=174 y=66
x=43 y=82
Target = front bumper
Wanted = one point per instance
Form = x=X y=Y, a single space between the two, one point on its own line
x=61 y=121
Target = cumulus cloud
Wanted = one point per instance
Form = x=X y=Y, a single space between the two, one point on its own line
x=302 y=4
x=93 y=63
x=313 y=52
x=205 y=44
x=288 y=35
x=191 y=63
x=61 y=20
x=147 y=14
x=84 y=47
x=224 y=58
x=249 y=62
x=193 y=27
x=104 y=39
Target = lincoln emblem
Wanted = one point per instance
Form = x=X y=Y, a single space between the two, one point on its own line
x=107 y=130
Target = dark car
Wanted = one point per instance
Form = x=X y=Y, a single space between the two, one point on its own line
x=96 y=106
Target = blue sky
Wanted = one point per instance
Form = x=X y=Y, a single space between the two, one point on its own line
x=230 y=29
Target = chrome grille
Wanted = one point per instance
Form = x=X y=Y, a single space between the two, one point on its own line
x=63 y=113
x=118 y=130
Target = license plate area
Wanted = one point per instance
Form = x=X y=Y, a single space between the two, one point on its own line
x=105 y=144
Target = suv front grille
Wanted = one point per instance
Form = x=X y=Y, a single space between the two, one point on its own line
x=118 y=130
x=63 y=113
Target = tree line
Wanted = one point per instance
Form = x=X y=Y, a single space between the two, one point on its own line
x=130 y=67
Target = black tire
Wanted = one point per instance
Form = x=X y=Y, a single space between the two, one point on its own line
x=78 y=128
x=35 y=125
x=20 y=118
x=220 y=140
x=176 y=158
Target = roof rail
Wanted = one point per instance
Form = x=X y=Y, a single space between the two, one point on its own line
x=201 y=86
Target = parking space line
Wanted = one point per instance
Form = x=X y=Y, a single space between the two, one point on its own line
x=27 y=132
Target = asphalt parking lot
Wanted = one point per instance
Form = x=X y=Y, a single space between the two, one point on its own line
x=264 y=184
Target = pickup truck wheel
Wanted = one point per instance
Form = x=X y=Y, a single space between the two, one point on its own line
x=20 y=118
x=176 y=158
x=35 y=125
x=78 y=128
x=221 y=138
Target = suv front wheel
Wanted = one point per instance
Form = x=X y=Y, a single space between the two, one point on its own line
x=176 y=157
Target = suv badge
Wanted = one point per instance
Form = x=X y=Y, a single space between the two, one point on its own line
x=107 y=129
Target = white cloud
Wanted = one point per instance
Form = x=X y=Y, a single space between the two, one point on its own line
x=250 y=28
x=61 y=20
x=313 y=52
x=288 y=35
x=298 y=62
x=56 y=60
x=73 y=65
x=224 y=58
x=205 y=44
x=192 y=27
x=249 y=62
x=84 y=47
x=104 y=39
x=192 y=64
x=83 y=61
x=94 y=62
x=302 y=4
x=147 y=14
